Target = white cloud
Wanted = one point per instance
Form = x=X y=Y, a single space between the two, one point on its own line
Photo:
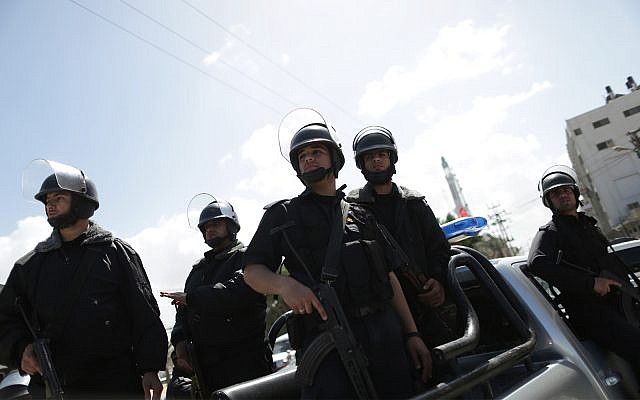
x=224 y=160
x=212 y=58
x=429 y=115
x=274 y=177
x=458 y=53
x=498 y=167
x=28 y=233
x=168 y=250
x=285 y=59
x=231 y=54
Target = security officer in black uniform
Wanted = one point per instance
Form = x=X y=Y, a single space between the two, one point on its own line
x=222 y=316
x=367 y=288
x=106 y=337
x=570 y=252
x=407 y=216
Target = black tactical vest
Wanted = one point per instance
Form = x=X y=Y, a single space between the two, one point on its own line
x=363 y=283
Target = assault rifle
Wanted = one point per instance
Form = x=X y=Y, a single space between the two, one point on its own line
x=338 y=335
x=43 y=354
x=197 y=380
x=620 y=277
x=442 y=318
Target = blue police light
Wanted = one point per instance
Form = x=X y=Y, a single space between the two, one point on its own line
x=462 y=228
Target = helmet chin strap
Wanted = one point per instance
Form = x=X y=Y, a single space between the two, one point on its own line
x=314 y=176
x=217 y=241
x=378 y=178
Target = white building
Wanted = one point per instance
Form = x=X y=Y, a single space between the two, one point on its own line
x=607 y=163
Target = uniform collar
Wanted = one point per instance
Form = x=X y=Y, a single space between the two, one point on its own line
x=307 y=193
x=93 y=235
x=226 y=252
x=366 y=194
x=570 y=219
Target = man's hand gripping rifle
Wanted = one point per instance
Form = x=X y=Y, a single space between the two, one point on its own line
x=43 y=354
x=612 y=270
x=338 y=335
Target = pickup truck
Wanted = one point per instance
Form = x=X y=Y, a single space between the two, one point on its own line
x=515 y=341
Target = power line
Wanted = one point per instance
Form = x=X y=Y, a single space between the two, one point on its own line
x=206 y=51
x=609 y=163
x=268 y=59
x=499 y=218
x=526 y=203
x=168 y=53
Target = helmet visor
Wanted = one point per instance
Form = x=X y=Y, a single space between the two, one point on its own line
x=195 y=207
x=38 y=171
x=554 y=169
x=561 y=169
x=296 y=120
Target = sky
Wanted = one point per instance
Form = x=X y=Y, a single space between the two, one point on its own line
x=159 y=100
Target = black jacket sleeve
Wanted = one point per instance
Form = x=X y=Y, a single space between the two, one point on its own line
x=542 y=262
x=264 y=247
x=437 y=248
x=149 y=336
x=229 y=297
x=179 y=331
x=14 y=335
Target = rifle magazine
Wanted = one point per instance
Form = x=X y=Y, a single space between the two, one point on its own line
x=312 y=358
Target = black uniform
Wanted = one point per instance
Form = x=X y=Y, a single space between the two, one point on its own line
x=595 y=317
x=362 y=287
x=225 y=319
x=113 y=333
x=412 y=223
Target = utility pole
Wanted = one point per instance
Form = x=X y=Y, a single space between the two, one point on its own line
x=634 y=138
x=499 y=219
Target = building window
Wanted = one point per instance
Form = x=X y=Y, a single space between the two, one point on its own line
x=577 y=131
x=605 y=144
x=633 y=205
x=631 y=111
x=600 y=122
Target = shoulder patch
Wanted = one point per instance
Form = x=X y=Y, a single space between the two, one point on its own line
x=275 y=203
x=361 y=212
x=198 y=263
x=125 y=245
x=353 y=196
x=25 y=258
x=549 y=226
x=410 y=194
